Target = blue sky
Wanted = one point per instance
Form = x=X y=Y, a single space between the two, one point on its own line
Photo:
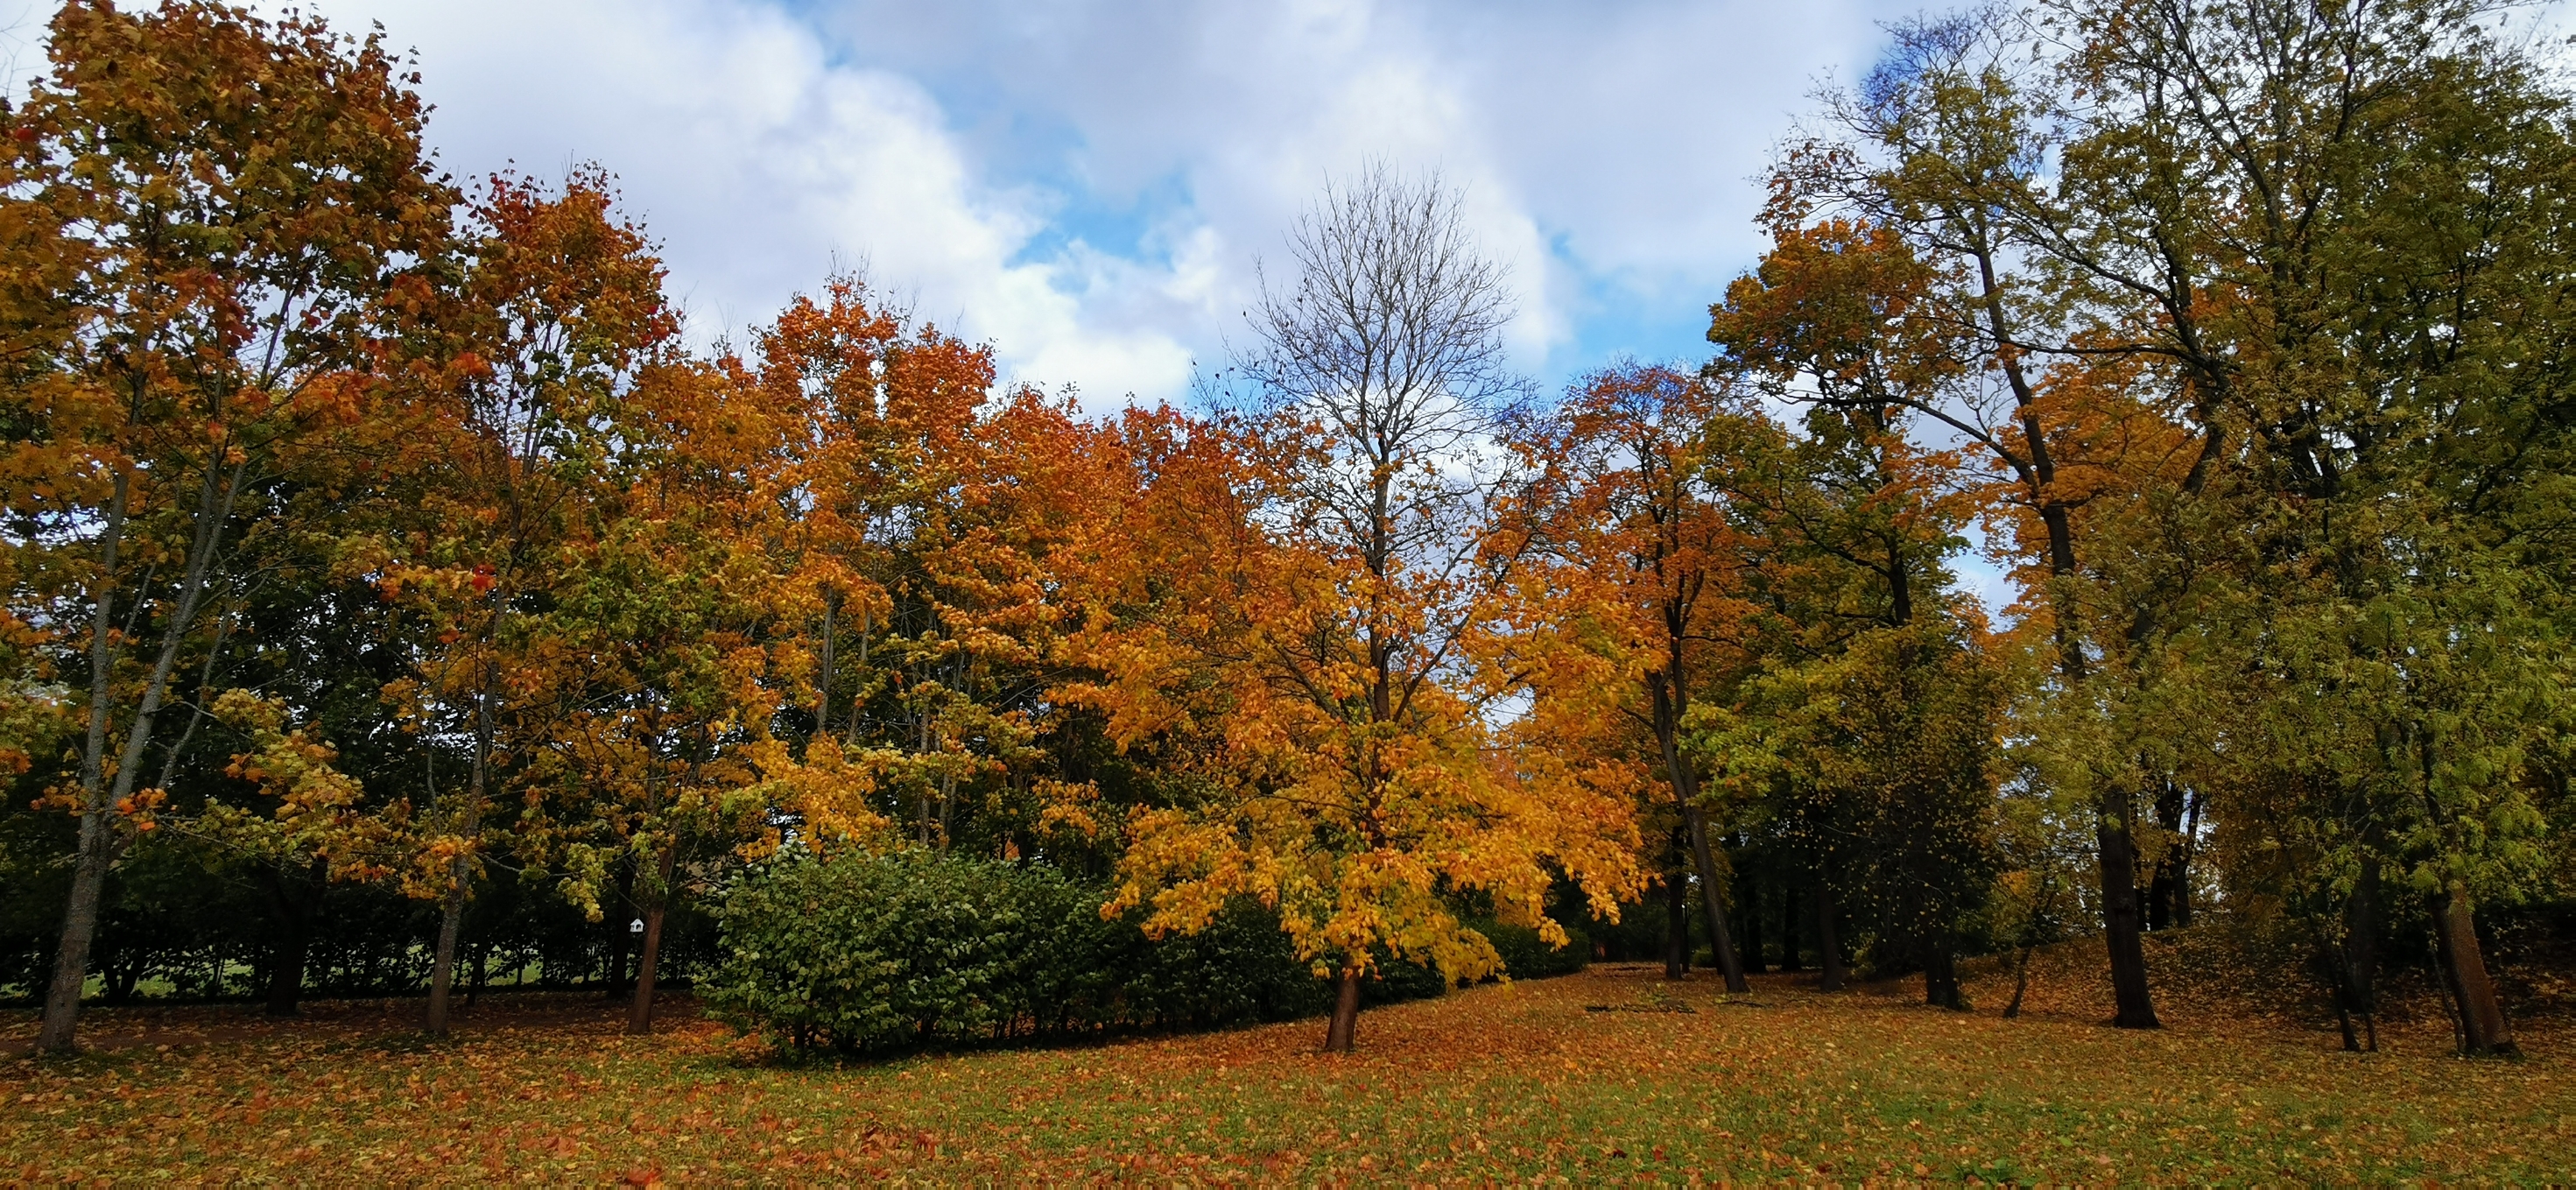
x=1088 y=184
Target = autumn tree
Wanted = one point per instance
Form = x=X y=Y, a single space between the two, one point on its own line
x=1355 y=791
x=558 y=311
x=223 y=205
x=1872 y=722
x=1640 y=566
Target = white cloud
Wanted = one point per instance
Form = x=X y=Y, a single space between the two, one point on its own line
x=762 y=164
x=1086 y=183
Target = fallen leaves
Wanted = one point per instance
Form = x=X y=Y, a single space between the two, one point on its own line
x=1486 y=1084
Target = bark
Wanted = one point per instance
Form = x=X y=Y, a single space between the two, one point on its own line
x=2122 y=921
x=1677 y=954
x=619 y=917
x=100 y=794
x=2361 y=953
x=295 y=900
x=451 y=922
x=1790 y=959
x=2484 y=1030
x=1751 y=885
x=1719 y=939
x=639 y=1016
x=1941 y=975
x=823 y=683
x=2021 y=980
x=2167 y=904
x=1829 y=943
x=1342 y=1034
x=442 y=969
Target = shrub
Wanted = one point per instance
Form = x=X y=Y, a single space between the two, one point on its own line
x=881 y=953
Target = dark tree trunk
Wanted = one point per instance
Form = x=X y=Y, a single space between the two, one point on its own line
x=2482 y=1024
x=2165 y=899
x=2361 y=954
x=1751 y=886
x=1789 y=957
x=2123 y=923
x=297 y=901
x=1941 y=974
x=620 y=916
x=1677 y=948
x=1343 y=1032
x=121 y=978
x=639 y=1017
x=1829 y=943
x=1719 y=939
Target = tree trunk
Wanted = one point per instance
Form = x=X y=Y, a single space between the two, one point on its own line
x=1750 y=885
x=639 y=1016
x=442 y=968
x=2361 y=952
x=2121 y=917
x=620 y=919
x=1790 y=960
x=296 y=907
x=1941 y=975
x=1677 y=954
x=1719 y=939
x=2166 y=902
x=2483 y=1028
x=1829 y=943
x=1343 y=1033
x=2021 y=980
x=442 y=971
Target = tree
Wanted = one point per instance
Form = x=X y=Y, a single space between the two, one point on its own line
x=226 y=204
x=1644 y=567
x=1354 y=789
x=558 y=311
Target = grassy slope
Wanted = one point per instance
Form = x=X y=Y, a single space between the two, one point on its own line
x=1489 y=1083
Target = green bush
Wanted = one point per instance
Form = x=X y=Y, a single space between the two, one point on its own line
x=1528 y=956
x=883 y=953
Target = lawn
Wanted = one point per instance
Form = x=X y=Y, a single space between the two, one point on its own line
x=1611 y=1075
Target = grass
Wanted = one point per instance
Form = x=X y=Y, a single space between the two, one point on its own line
x=1611 y=1075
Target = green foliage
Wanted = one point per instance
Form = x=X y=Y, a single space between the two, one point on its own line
x=895 y=952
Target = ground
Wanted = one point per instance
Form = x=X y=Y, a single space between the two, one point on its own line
x=1611 y=1075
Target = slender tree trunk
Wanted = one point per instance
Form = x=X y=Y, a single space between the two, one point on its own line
x=639 y=1016
x=2182 y=871
x=1790 y=960
x=2164 y=888
x=451 y=922
x=451 y=925
x=1343 y=1033
x=1677 y=948
x=1829 y=943
x=823 y=684
x=2121 y=917
x=1749 y=882
x=620 y=918
x=2361 y=951
x=1719 y=940
x=296 y=903
x=2483 y=1028
x=100 y=793
x=1941 y=974
x=2021 y=980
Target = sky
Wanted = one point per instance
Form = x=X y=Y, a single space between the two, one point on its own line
x=1090 y=185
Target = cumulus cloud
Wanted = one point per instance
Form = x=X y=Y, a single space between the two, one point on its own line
x=1087 y=184
x=763 y=162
